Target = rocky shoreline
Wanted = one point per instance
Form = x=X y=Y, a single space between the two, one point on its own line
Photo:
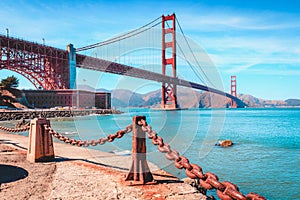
x=31 y=114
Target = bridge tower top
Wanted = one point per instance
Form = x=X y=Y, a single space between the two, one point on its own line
x=169 y=91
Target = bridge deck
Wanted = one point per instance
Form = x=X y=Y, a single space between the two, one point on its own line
x=59 y=64
x=116 y=68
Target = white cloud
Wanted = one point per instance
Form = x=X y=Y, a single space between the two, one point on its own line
x=239 y=41
x=219 y=19
x=237 y=69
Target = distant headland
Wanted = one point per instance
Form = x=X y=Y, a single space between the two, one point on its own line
x=187 y=98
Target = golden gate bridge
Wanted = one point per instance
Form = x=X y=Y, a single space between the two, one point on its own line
x=155 y=52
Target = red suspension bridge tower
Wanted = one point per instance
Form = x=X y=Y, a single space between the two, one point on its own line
x=233 y=103
x=169 y=91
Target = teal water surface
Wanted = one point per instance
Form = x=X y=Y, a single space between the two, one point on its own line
x=264 y=158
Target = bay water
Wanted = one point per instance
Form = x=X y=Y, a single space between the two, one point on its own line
x=264 y=159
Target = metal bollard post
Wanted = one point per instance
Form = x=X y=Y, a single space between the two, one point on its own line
x=139 y=172
x=40 y=147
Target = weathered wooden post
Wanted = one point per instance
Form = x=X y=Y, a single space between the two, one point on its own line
x=40 y=147
x=139 y=172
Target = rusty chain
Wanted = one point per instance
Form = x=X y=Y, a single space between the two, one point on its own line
x=15 y=130
x=225 y=190
x=86 y=143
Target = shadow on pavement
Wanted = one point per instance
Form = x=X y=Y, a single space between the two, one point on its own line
x=10 y=173
x=62 y=159
x=12 y=143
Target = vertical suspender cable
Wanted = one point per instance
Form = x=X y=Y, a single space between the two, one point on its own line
x=193 y=54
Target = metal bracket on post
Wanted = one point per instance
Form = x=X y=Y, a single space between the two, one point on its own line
x=139 y=173
x=40 y=146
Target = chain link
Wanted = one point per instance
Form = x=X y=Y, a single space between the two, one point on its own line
x=15 y=130
x=86 y=143
x=225 y=190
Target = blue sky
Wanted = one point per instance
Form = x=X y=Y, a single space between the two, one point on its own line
x=258 y=41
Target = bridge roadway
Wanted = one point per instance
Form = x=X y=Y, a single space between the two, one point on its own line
x=97 y=64
x=59 y=56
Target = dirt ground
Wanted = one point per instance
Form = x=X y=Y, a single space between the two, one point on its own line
x=20 y=179
x=73 y=179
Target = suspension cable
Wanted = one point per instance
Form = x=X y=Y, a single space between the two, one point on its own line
x=185 y=58
x=193 y=54
x=121 y=37
x=110 y=41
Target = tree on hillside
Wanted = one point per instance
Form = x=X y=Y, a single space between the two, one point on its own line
x=10 y=82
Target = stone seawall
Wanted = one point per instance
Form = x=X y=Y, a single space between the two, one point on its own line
x=31 y=114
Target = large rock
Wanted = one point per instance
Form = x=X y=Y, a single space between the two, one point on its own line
x=224 y=143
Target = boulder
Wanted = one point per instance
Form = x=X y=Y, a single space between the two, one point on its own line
x=224 y=143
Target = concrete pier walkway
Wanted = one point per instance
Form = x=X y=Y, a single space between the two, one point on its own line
x=81 y=173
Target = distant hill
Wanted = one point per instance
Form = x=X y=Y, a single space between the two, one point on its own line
x=293 y=102
x=126 y=97
x=102 y=90
x=86 y=87
x=252 y=101
x=187 y=98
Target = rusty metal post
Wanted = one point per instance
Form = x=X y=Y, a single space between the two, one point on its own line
x=139 y=172
x=40 y=146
